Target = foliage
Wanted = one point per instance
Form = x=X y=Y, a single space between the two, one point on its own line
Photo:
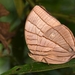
x=18 y=61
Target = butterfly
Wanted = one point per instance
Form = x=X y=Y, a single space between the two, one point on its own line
x=48 y=40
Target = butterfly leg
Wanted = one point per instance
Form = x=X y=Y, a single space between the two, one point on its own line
x=44 y=60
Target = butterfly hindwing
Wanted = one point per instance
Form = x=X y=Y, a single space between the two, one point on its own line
x=48 y=40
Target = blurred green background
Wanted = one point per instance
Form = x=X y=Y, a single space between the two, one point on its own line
x=63 y=10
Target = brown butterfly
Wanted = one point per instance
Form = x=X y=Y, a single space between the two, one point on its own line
x=48 y=40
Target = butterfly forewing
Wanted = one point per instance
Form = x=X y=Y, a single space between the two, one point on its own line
x=48 y=19
x=48 y=40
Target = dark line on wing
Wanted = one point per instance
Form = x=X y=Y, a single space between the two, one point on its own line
x=48 y=38
x=49 y=58
x=55 y=60
x=70 y=33
x=37 y=44
x=48 y=54
x=48 y=51
x=54 y=29
x=63 y=25
x=32 y=32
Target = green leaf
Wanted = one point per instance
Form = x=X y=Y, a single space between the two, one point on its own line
x=31 y=3
x=19 y=7
x=37 y=67
x=73 y=68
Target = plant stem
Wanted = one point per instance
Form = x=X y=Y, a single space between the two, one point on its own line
x=31 y=3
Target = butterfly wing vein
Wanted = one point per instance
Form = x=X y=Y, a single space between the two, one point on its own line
x=48 y=40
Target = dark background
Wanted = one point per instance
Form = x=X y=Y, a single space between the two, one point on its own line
x=63 y=10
